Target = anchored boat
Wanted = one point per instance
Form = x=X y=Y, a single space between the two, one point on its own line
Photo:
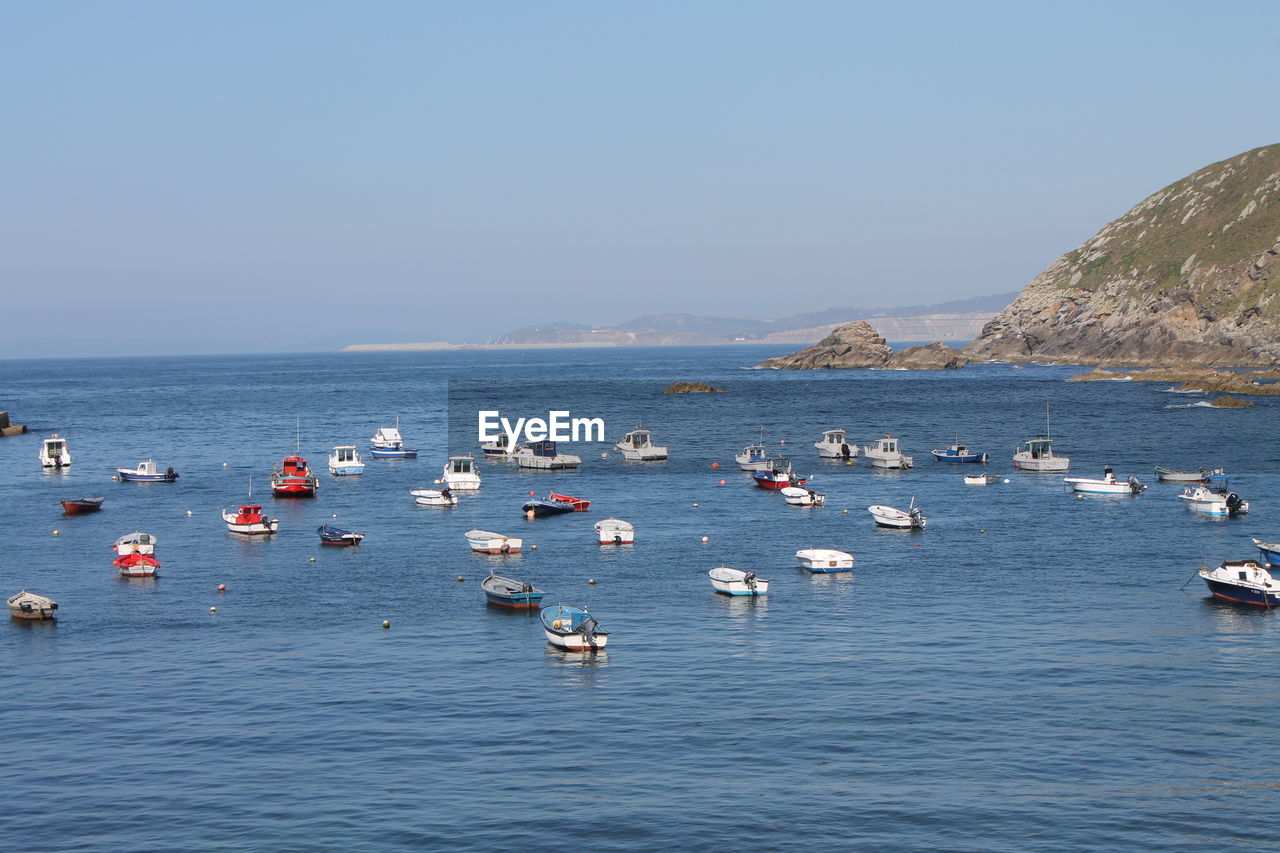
x=1244 y=582
x=737 y=582
x=54 y=452
x=886 y=453
x=81 y=506
x=434 y=497
x=345 y=461
x=1214 y=500
x=542 y=455
x=825 y=560
x=638 y=446
x=136 y=555
x=488 y=542
x=147 y=472
x=909 y=519
x=983 y=479
x=388 y=444
x=834 y=445
x=460 y=474
x=959 y=453
x=572 y=628
x=509 y=592
x=777 y=475
x=28 y=605
x=1108 y=485
x=1200 y=475
x=615 y=531
x=796 y=496
x=1270 y=551
x=1037 y=454
x=330 y=535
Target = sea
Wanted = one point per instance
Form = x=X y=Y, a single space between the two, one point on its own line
x=1034 y=671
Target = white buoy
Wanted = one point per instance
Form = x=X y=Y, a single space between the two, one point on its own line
x=706 y=538
x=224 y=465
x=188 y=513
x=1007 y=480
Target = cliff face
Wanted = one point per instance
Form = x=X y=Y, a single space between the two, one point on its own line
x=1188 y=276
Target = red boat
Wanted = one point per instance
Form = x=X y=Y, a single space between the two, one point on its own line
x=777 y=476
x=578 y=504
x=293 y=479
x=250 y=521
x=79 y=506
x=136 y=565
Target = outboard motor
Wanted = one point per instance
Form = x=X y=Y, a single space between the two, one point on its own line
x=588 y=631
x=1135 y=485
x=750 y=580
x=1233 y=503
x=617 y=539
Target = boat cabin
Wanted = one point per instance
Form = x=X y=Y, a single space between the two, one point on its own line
x=1037 y=448
x=294 y=466
x=833 y=437
x=465 y=464
x=542 y=448
x=754 y=453
x=886 y=445
x=249 y=514
x=637 y=438
x=345 y=453
x=387 y=437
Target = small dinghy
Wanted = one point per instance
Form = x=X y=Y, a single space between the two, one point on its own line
x=330 y=535
x=959 y=453
x=488 y=542
x=737 y=582
x=509 y=592
x=1270 y=552
x=28 y=605
x=541 y=508
x=80 y=506
x=796 y=496
x=1214 y=500
x=615 y=531
x=147 y=472
x=136 y=555
x=1108 y=485
x=1243 y=582
x=578 y=504
x=825 y=560
x=909 y=519
x=981 y=479
x=572 y=628
x=1200 y=475
x=434 y=497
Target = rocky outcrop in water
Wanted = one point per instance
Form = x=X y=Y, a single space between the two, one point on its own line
x=934 y=356
x=691 y=388
x=849 y=346
x=1187 y=277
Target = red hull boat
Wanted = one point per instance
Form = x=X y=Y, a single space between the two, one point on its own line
x=80 y=506
x=293 y=479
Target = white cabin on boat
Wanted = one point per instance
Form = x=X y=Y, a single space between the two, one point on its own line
x=543 y=455
x=1037 y=455
x=638 y=445
x=345 y=461
x=886 y=453
x=834 y=445
x=387 y=438
x=460 y=474
x=54 y=452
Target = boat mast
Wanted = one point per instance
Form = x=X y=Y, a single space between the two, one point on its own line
x=1046 y=421
x=297 y=435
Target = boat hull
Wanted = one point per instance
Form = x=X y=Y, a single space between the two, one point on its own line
x=494 y=544
x=130 y=477
x=1101 y=487
x=136 y=566
x=1270 y=551
x=294 y=487
x=542 y=509
x=346 y=470
x=1049 y=465
x=614 y=534
x=945 y=456
x=390 y=453
x=825 y=562
x=250 y=528
x=1242 y=594
x=768 y=481
x=576 y=642
x=739 y=587
x=81 y=506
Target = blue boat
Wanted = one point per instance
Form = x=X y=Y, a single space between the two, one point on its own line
x=147 y=472
x=959 y=453
x=1270 y=552
x=330 y=535
x=387 y=444
x=572 y=628
x=541 y=507
x=1243 y=582
x=509 y=592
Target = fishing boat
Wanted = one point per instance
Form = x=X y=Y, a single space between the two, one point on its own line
x=147 y=472
x=1270 y=552
x=959 y=453
x=544 y=507
x=886 y=453
x=136 y=555
x=1214 y=500
x=1200 y=475
x=578 y=504
x=1037 y=454
x=54 y=452
x=542 y=455
x=834 y=445
x=796 y=496
x=345 y=461
x=737 y=582
x=753 y=457
x=1244 y=582
x=387 y=443
x=249 y=520
x=825 y=560
x=981 y=479
x=572 y=628
x=330 y=535
x=460 y=474
x=28 y=605
x=509 y=592
x=886 y=516
x=615 y=531
x=434 y=497
x=81 y=506
x=293 y=479
x=488 y=542
x=1108 y=485
x=778 y=475
x=638 y=446
x=498 y=447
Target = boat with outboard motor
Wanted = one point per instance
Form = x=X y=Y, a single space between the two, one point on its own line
x=1243 y=582
x=638 y=446
x=1108 y=485
x=615 y=531
x=488 y=542
x=834 y=444
x=887 y=453
x=542 y=455
x=796 y=496
x=1200 y=475
x=909 y=519
x=572 y=628
x=136 y=555
x=147 y=472
x=54 y=452
x=460 y=474
x=737 y=582
x=330 y=535
x=1214 y=500
x=434 y=497
x=28 y=605
x=777 y=475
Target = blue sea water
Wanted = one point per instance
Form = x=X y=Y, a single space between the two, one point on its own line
x=1027 y=674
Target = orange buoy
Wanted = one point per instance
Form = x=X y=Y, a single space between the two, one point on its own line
x=222 y=587
x=722 y=482
x=715 y=464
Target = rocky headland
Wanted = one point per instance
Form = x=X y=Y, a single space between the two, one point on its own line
x=858 y=345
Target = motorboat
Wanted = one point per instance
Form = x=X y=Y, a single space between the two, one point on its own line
x=54 y=452
x=387 y=443
x=147 y=472
x=1214 y=501
x=250 y=521
x=293 y=479
x=28 y=605
x=542 y=455
x=1243 y=582
x=488 y=542
x=345 y=461
x=509 y=592
x=542 y=508
x=498 y=446
x=753 y=457
x=796 y=496
x=959 y=453
x=1037 y=454
x=778 y=475
x=434 y=497
x=1108 y=485
x=1200 y=475
x=330 y=535
x=572 y=628
x=638 y=446
x=136 y=555
x=81 y=506
x=135 y=543
x=460 y=474
x=887 y=453
x=834 y=445
x=886 y=516
x=981 y=479
x=578 y=504
x=615 y=531
x=825 y=560
x=1270 y=551
x=737 y=582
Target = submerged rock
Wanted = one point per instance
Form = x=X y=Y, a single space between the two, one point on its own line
x=691 y=388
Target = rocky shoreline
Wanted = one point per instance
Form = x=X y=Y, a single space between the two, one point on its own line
x=857 y=346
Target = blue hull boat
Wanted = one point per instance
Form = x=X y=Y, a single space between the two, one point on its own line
x=1243 y=582
x=959 y=453
x=392 y=453
x=541 y=508
x=330 y=535
x=512 y=593
x=1270 y=551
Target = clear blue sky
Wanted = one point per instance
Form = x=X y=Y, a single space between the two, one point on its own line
x=259 y=176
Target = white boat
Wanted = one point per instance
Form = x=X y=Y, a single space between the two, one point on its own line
x=1214 y=501
x=54 y=452
x=135 y=543
x=387 y=443
x=434 y=497
x=753 y=457
x=1108 y=485
x=542 y=455
x=615 y=531
x=887 y=516
x=737 y=582
x=1037 y=454
x=834 y=445
x=886 y=453
x=572 y=628
x=28 y=605
x=498 y=447
x=825 y=559
x=1243 y=582
x=981 y=479
x=638 y=446
x=250 y=521
x=1169 y=475
x=796 y=496
x=460 y=474
x=147 y=472
x=488 y=542
x=345 y=461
